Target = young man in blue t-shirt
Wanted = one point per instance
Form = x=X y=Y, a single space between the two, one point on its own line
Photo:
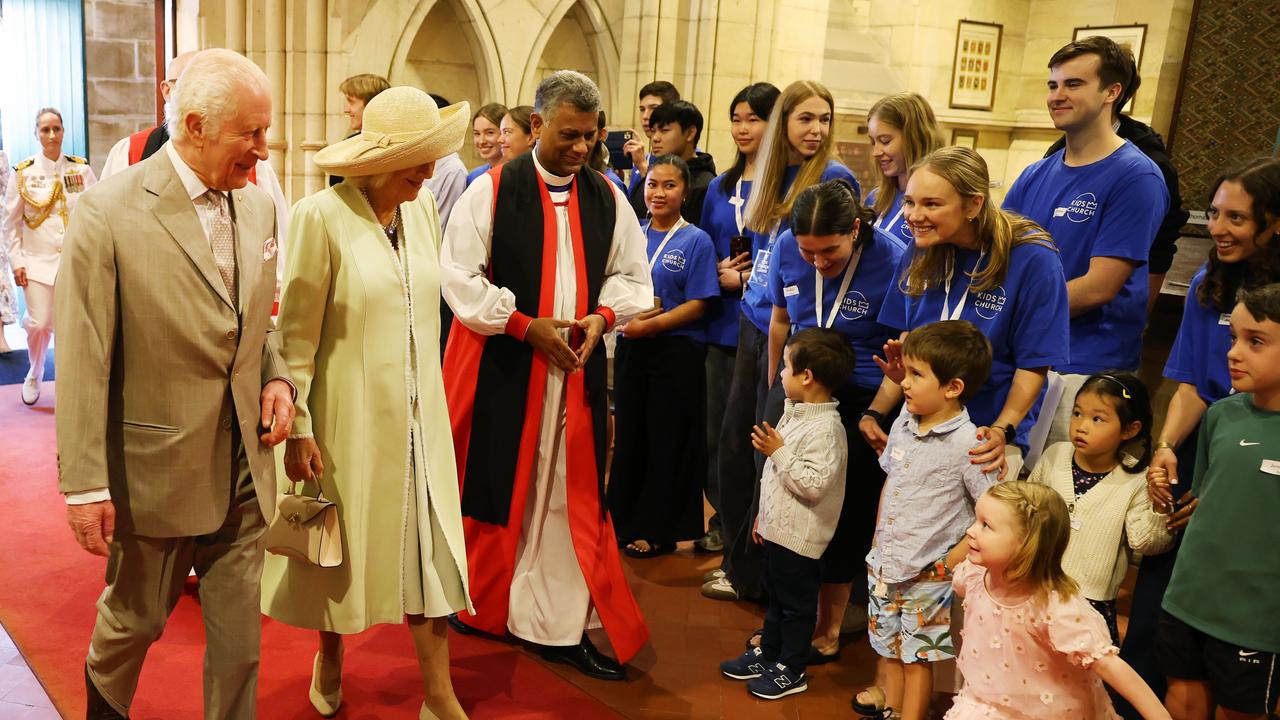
x=1102 y=200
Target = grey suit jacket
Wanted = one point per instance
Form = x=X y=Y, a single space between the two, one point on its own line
x=153 y=362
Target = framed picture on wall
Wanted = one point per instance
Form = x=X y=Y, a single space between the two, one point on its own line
x=977 y=60
x=1127 y=36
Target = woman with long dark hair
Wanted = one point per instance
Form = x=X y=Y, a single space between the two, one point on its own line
x=724 y=220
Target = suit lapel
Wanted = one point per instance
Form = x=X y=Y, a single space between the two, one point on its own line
x=177 y=213
x=248 y=248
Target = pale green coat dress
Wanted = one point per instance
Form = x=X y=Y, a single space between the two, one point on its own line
x=350 y=336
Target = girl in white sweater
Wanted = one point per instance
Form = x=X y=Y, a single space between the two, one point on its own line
x=1100 y=475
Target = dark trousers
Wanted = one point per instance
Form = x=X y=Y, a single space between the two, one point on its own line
x=1139 y=644
x=720 y=360
x=793 y=581
x=659 y=461
x=739 y=475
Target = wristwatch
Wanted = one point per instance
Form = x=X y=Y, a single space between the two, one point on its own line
x=874 y=415
x=1010 y=432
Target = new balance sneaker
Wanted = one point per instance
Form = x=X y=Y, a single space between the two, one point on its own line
x=778 y=681
x=746 y=666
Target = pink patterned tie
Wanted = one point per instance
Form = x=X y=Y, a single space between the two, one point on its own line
x=222 y=240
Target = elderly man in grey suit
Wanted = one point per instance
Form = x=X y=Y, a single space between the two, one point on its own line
x=171 y=395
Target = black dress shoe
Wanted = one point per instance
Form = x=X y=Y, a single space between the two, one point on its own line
x=97 y=707
x=586 y=659
x=460 y=627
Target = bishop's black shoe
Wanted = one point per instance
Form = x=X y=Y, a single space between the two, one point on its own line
x=586 y=659
x=97 y=707
x=460 y=627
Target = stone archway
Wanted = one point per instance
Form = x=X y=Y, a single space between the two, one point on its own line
x=575 y=35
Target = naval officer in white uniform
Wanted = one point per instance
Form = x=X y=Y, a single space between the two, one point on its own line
x=38 y=203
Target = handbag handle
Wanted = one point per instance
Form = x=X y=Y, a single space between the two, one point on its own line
x=293 y=486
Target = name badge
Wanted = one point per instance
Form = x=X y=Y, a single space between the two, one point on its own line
x=790 y=291
x=760 y=268
x=897 y=453
x=1271 y=467
x=1224 y=319
x=1075 y=523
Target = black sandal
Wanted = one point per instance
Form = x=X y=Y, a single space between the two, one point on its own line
x=654 y=550
x=879 y=707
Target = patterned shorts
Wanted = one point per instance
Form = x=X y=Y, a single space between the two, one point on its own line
x=911 y=621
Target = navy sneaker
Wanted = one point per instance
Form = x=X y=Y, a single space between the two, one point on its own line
x=746 y=666
x=778 y=682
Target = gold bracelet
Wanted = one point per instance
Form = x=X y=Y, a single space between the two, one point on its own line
x=1164 y=444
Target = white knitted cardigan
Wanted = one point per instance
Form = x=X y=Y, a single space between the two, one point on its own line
x=1109 y=524
x=802 y=488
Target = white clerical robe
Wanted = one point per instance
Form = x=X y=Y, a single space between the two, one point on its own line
x=550 y=603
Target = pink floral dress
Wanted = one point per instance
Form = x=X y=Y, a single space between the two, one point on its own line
x=1030 y=660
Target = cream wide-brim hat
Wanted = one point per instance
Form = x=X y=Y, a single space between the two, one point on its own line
x=402 y=128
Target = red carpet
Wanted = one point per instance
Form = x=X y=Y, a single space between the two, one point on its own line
x=48 y=587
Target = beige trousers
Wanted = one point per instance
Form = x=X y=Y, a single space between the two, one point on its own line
x=145 y=577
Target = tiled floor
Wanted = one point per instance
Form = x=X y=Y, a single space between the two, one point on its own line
x=21 y=695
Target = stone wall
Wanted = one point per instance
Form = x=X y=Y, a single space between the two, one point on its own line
x=120 y=71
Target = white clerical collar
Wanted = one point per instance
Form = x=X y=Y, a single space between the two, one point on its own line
x=547 y=176
x=194 y=185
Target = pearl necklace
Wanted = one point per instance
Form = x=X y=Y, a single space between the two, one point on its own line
x=389 y=230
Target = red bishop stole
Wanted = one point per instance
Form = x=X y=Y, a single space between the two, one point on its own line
x=491 y=548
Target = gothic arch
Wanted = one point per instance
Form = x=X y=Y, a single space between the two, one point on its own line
x=600 y=40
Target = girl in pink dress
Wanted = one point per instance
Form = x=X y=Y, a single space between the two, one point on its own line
x=1032 y=646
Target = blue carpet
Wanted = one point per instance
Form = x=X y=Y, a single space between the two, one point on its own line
x=14 y=365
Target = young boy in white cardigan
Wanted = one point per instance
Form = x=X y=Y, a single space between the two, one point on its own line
x=1100 y=474
x=801 y=492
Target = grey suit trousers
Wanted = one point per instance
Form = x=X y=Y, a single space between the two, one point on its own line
x=145 y=577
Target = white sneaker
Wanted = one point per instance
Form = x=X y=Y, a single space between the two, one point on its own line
x=720 y=589
x=30 y=391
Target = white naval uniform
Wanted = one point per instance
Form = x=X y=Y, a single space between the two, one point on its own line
x=550 y=603
x=38 y=250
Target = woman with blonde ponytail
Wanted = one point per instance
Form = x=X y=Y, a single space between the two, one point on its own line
x=1000 y=271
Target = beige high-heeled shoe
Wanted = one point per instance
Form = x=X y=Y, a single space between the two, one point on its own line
x=326 y=705
x=426 y=714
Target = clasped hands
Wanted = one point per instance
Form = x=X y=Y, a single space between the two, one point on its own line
x=94 y=524
x=545 y=337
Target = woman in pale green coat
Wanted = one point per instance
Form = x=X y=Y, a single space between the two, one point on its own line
x=359 y=319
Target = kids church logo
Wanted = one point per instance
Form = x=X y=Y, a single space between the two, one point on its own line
x=673 y=260
x=854 y=305
x=989 y=303
x=1079 y=210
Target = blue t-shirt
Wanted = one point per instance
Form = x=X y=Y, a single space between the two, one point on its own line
x=755 y=298
x=471 y=176
x=1199 y=355
x=1025 y=318
x=612 y=175
x=720 y=221
x=1110 y=208
x=793 y=285
x=685 y=271
x=894 y=220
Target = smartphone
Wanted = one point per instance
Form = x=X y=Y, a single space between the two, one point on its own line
x=739 y=244
x=618 y=159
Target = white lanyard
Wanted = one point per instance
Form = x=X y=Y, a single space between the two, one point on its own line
x=658 y=253
x=849 y=270
x=946 y=291
x=737 y=201
x=894 y=222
